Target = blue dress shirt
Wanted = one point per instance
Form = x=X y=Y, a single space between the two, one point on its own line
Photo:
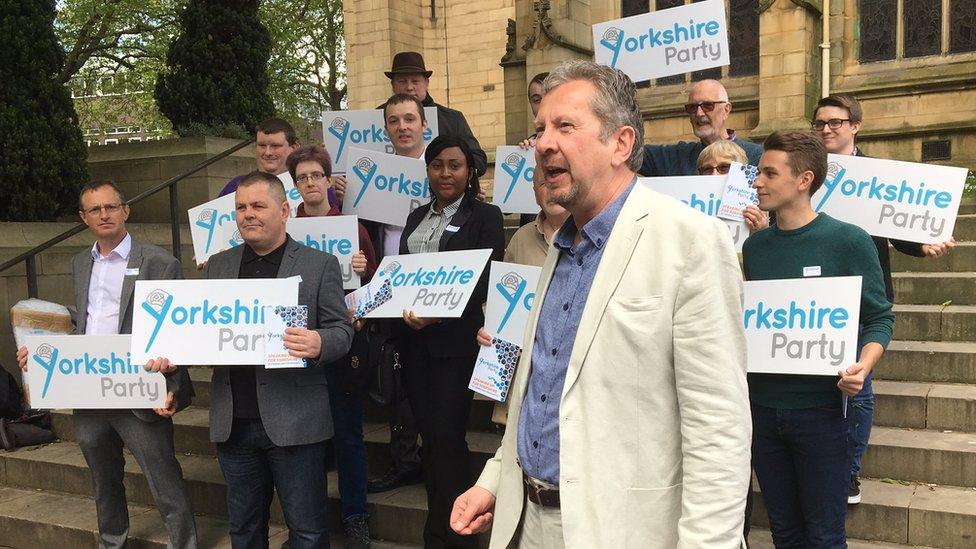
x=559 y=318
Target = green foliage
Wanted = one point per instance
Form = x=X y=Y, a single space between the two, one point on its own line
x=44 y=156
x=308 y=57
x=119 y=41
x=216 y=69
x=970 y=188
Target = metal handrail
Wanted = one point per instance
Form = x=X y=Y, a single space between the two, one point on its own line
x=30 y=256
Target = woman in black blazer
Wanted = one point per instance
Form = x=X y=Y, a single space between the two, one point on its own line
x=438 y=355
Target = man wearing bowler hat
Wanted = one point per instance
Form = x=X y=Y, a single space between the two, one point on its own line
x=410 y=76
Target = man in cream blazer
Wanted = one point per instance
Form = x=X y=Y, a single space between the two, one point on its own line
x=645 y=442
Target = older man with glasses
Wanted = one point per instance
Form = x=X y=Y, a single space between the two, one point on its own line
x=708 y=110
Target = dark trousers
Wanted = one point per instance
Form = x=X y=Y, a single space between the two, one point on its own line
x=441 y=401
x=404 y=449
x=801 y=461
x=101 y=435
x=860 y=410
x=350 y=450
x=254 y=468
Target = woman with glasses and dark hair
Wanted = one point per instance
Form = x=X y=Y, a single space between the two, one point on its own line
x=438 y=355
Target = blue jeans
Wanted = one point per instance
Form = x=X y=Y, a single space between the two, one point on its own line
x=254 y=468
x=801 y=461
x=350 y=450
x=860 y=411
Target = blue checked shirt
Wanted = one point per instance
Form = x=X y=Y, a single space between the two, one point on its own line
x=559 y=318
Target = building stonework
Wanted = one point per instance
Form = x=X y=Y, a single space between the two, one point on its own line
x=484 y=53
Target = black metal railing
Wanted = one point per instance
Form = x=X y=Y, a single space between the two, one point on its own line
x=30 y=256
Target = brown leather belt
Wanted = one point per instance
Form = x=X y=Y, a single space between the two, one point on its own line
x=546 y=497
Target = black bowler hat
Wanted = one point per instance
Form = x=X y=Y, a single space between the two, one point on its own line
x=408 y=62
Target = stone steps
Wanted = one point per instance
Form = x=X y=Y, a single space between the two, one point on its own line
x=934 y=406
x=929 y=361
x=907 y=514
x=192 y=436
x=922 y=455
x=397 y=515
x=931 y=323
x=965 y=228
x=962 y=259
x=32 y=519
x=760 y=538
x=935 y=288
x=894 y=513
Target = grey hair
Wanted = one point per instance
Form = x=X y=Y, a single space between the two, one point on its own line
x=614 y=103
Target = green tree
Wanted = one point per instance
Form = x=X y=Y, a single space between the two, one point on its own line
x=114 y=51
x=216 y=77
x=44 y=157
x=308 y=58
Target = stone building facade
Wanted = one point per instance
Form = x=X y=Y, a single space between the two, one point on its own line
x=912 y=63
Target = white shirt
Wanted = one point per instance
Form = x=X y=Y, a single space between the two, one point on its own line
x=391 y=233
x=105 y=288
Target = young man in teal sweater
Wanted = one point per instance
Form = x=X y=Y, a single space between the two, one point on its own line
x=800 y=429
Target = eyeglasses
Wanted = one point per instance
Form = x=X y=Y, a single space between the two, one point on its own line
x=314 y=177
x=707 y=106
x=722 y=169
x=833 y=123
x=109 y=209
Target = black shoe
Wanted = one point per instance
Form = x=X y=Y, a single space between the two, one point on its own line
x=854 y=492
x=394 y=479
x=357 y=532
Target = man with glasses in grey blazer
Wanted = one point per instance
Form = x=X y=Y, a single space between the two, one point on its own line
x=104 y=279
x=270 y=426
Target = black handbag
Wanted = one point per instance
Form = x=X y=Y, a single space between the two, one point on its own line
x=383 y=360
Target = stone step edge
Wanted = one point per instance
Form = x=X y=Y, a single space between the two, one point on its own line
x=760 y=538
x=146 y=528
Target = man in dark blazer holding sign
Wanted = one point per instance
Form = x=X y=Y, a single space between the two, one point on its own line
x=104 y=278
x=270 y=426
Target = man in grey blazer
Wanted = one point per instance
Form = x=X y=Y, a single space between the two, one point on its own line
x=270 y=426
x=104 y=278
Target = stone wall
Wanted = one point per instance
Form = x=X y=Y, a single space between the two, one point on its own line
x=136 y=167
x=906 y=102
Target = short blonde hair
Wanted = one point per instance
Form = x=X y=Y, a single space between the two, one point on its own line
x=723 y=148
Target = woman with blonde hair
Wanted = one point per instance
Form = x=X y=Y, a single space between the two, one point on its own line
x=716 y=159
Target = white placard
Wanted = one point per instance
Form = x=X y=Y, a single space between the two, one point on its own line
x=804 y=326
x=511 y=295
x=514 y=170
x=334 y=234
x=384 y=187
x=213 y=224
x=892 y=199
x=363 y=129
x=738 y=193
x=276 y=321
x=89 y=372
x=702 y=192
x=665 y=42
x=205 y=321
x=435 y=285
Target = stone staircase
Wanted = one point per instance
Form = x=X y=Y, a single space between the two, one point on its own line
x=920 y=470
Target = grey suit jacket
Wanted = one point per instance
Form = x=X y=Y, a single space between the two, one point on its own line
x=293 y=402
x=154 y=263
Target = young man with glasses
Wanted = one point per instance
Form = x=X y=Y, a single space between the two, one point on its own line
x=104 y=278
x=837 y=121
x=708 y=110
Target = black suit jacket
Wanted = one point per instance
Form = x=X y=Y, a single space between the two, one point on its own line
x=908 y=248
x=479 y=225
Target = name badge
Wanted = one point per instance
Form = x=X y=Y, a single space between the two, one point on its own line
x=451 y=229
x=132 y=272
x=813 y=270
